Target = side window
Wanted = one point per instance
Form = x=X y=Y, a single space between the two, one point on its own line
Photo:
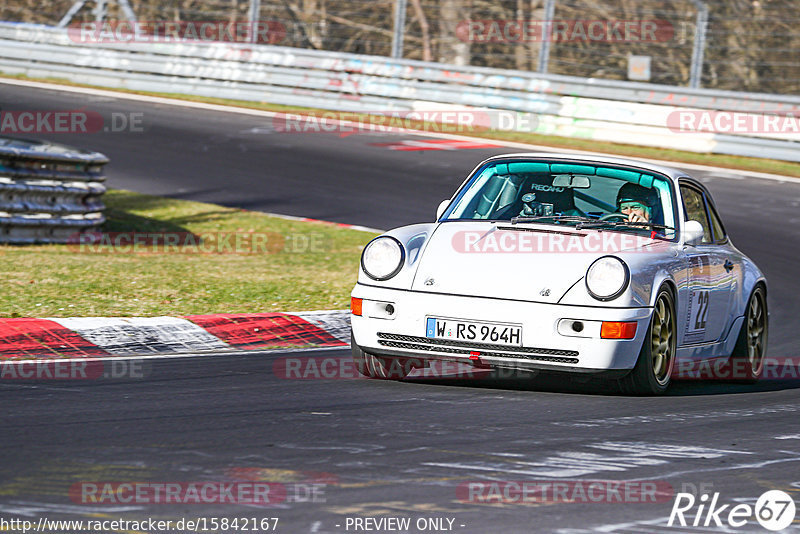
x=716 y=224
x=696 y=210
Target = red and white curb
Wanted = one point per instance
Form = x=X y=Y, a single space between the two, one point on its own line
x=97 y=337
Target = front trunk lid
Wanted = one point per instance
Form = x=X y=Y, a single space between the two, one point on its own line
x=536 y=263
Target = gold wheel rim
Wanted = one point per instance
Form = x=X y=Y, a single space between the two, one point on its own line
x=661 y=338
x=756 y=329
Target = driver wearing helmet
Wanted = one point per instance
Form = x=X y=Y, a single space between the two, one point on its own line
x=636 y=202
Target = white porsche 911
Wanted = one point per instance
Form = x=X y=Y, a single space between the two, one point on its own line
x=563 y=263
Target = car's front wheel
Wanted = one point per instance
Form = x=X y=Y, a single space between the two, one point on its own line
x=380 y=367
x=653 y=371
x=747 y=358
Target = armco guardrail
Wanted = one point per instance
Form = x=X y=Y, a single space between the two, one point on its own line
x=606 y=110
x=48 y=193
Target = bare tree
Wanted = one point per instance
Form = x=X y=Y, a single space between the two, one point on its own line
x=752 y=45
x=419 y=16
x=452 y=49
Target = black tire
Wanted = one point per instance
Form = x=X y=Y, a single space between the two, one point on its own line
x=747 y=358
x=378 y=367
x=652 y=373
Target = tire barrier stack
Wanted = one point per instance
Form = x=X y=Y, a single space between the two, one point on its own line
x=49 y=193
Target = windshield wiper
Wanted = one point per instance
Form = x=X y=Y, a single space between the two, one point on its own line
x=614 y=224
x=589 y=224
x=555 y=218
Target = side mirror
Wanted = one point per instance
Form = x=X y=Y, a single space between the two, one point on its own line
x=442 y=206
x=692 y=232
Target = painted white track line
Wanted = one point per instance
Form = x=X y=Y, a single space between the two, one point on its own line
x=724 y=172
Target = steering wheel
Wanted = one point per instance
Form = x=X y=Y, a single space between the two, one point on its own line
x=614 y=216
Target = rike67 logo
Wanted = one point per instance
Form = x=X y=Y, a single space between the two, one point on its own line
x=774 y=510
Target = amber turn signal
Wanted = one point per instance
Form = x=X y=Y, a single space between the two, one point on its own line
x=618 y=330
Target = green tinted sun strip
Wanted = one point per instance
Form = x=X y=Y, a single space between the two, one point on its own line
x=564 y=168
x=619 y=173
x=501 y=169
x=646 y=180
x=527 y=166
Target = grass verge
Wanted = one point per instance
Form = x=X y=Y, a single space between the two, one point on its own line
x=784 y=168
x=207 y=259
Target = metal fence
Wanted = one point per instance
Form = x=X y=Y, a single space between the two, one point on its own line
x=603 y=110
x=739 y=45
x=48 y=193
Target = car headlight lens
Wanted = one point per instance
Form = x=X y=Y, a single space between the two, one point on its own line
x=382 y=258
x=607 y=278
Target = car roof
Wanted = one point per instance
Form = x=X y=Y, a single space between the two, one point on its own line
x=670 y=172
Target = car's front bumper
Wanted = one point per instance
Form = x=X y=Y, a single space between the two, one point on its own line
x=546 y=343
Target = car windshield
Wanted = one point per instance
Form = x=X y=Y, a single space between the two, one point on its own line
x=554 y=192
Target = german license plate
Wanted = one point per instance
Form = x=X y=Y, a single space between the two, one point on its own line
x=455 y=329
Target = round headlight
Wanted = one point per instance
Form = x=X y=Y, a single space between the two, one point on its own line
x=607 y=278
x=382 y=258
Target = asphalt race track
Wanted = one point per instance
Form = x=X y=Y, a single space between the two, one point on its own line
x=347 y=449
